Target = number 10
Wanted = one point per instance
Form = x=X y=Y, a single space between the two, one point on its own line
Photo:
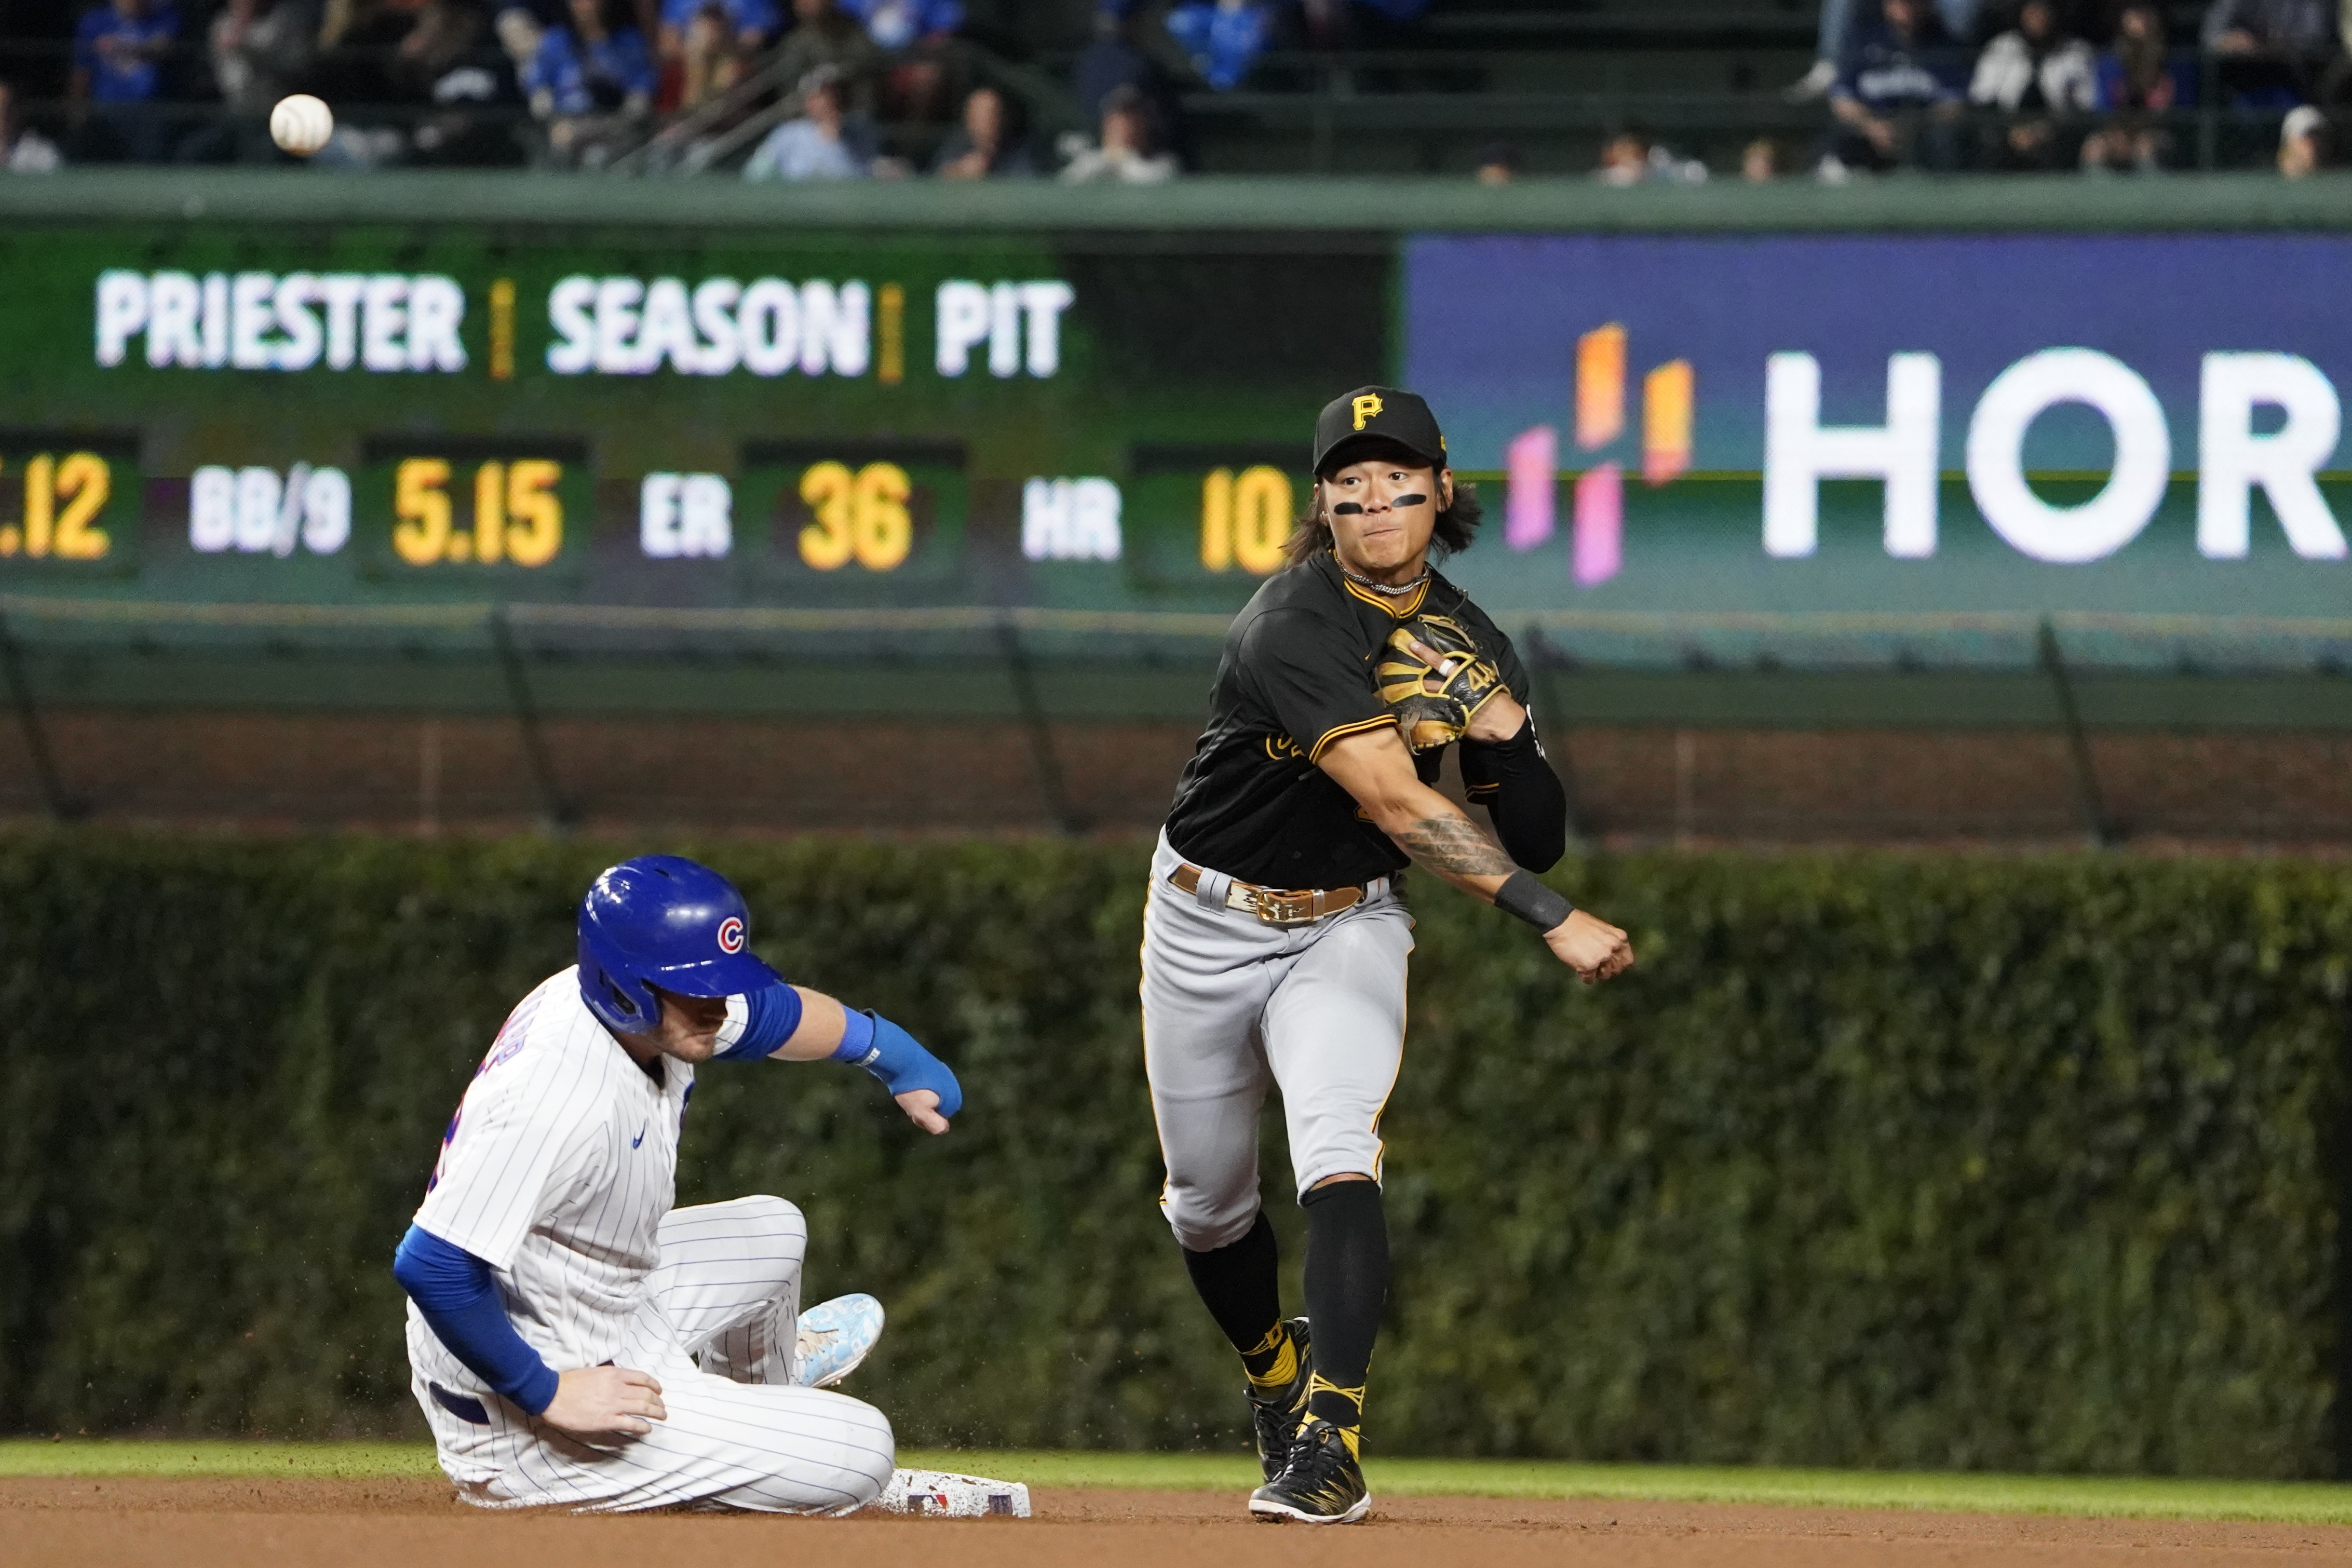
x=1246 y=519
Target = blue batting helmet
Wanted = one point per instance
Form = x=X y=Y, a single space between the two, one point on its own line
x=660 y=920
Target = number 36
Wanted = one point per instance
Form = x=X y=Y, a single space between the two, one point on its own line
x=861 y=516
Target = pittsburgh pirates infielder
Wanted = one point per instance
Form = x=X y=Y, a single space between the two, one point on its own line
x=1275 y=938
x=558 y=1304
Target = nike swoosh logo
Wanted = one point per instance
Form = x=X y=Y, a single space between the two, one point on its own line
x=638 y=1139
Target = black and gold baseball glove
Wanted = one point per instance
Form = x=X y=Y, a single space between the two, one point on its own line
x=1433 y=702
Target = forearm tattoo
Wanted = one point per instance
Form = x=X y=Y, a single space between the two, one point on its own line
x=1453 y=844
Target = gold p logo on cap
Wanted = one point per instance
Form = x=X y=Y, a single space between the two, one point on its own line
x=1366 y=407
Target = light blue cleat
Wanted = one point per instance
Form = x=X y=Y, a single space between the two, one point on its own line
x=834 y=1337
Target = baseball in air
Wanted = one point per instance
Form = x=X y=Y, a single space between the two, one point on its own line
x=301 y=124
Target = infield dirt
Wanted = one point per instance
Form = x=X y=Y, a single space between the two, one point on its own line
x=241 y=1523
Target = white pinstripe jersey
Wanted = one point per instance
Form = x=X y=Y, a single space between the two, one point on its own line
x=556 y=1170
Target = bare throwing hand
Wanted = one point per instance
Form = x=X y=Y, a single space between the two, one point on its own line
x=922 y=1108
x=605 y=1402
x=1591 y=946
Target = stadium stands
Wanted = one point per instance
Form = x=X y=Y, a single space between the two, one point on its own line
x=1630 y=89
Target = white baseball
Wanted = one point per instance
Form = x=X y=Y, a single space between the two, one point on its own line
x=301 y=124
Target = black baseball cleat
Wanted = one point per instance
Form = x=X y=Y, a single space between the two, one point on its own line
x=1277 y=1417
x=1322 y=1483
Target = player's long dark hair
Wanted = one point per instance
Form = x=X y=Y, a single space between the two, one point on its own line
x=1457 y=525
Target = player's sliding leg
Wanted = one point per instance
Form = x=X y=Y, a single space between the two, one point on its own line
x=723 y=1445
x=1335 y=1040
x=729 y=1283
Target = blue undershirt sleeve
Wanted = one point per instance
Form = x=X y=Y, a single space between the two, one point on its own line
x=774 y=1015
x=460 y=1299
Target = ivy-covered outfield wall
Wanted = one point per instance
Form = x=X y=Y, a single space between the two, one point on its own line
x=1875 y=1160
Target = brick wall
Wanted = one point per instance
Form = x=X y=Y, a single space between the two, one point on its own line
x=185 y=769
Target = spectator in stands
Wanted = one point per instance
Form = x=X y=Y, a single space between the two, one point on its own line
x=23 y=151
x=1499 y=164
x=819 y=143
x=1117 y=58
x=707 y=45
x=118 y=71
x=593 y=83
x=1128 y=151
x=700 y=51
x=917 y=35
x=2302 y=142
x=2137 y=85
x=1837 y=31
x=1325 y=23
x=355 y=39
x=1759 y=161
x=1629 y=158
x=469 y=123
x=903 y=24
x=1223 y=37
x=2272 y=52
x=2136 y=72
x=1111 y=59
x=442 y=34
x=2336 y=82
x=1897 y=98
x=260 y=51
x=2036 y=74
x=1624 y=160
x=989 y=145
x=823 y=38
x=520 y=35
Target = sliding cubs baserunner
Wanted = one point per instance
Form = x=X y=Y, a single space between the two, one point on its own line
x=572 y=1339
x=1275 y=935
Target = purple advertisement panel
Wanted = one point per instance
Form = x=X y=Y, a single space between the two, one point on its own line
x=1952 y=425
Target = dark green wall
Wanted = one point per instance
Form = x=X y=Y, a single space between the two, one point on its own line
x=1876 y=1160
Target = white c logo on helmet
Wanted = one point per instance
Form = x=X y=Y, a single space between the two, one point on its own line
x=730 y=934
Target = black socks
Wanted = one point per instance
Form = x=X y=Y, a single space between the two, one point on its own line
x=1243 y=1289
x=1346 y=1291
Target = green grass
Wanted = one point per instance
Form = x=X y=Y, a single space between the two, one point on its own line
x=211 y=1456
x=2090 y=1497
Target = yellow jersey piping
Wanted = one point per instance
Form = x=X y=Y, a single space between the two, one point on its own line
x=1315 y=753
x=1398 y=609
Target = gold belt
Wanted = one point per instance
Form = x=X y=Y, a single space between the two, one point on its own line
x=1276 y=906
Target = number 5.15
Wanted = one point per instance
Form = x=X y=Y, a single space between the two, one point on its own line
x=518 y=516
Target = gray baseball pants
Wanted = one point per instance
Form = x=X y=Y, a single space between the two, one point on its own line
x=1231 y=1004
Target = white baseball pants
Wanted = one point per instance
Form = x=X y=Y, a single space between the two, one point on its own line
x=1231 y=1004
x=738 y=1435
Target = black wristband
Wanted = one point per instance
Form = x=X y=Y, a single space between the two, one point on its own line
x=1517 y=748
x=1523 y=896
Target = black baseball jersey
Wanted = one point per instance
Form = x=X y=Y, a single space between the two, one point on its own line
x=1296 y=675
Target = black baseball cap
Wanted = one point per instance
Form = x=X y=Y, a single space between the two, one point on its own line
x=1377 y=414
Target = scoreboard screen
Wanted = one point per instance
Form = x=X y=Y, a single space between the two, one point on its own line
x=1688 y=444
x=368 y=415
